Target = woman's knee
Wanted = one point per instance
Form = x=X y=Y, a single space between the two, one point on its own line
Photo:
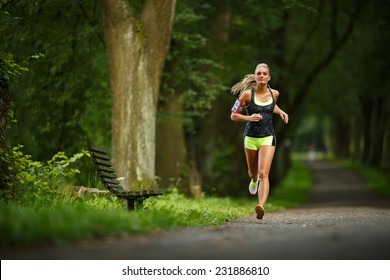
x=263 y=173
x=252 y=174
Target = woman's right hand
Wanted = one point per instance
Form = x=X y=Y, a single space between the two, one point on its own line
x=255 y=117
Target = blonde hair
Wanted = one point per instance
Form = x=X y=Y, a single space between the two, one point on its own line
x=249 y=81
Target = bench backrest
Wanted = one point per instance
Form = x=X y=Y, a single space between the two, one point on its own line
x=106 y=172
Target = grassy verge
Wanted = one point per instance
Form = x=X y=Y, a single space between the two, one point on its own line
x=102 y=217
x=375 y=179
x=64 y=220
x=293 y=191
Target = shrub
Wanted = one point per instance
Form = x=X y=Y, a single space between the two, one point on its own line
x=34 y=178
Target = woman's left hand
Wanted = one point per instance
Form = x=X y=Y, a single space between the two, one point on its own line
x=284 y=116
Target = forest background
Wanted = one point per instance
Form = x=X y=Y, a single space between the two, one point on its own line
x=328 y=59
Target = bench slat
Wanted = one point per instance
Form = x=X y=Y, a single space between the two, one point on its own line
x=98 y=150
x=98 y=161
x=107 y=175
x=100 y=155
x=104 y=168
x=110 y=181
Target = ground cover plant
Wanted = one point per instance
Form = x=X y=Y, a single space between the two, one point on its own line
x=50 y=215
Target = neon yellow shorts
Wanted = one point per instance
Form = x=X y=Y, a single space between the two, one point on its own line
x=252 y=143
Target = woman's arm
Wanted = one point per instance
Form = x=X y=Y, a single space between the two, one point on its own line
x=281 y=113
x=237 y=117
x=277 y=110
x=240 y=103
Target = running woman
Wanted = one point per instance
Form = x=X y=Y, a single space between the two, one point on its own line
x=259 y=101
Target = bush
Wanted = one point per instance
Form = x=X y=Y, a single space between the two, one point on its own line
x=34 y=178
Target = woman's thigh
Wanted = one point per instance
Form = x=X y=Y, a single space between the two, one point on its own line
x=252 y=160
x=266 y=155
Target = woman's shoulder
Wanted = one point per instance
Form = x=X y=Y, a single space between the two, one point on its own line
x=245 y=97
x=246 y=94
x=275 y=92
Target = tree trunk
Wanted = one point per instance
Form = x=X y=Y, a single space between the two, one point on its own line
x=378 y=131
x=386 y=143
x=171 y=156
x=357 y=136
x=385 y=165
x=5 y=104
x=342 y=138
x=137 y=48
x=5 y=152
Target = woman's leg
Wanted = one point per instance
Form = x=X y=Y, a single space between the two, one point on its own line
x=252 y=160
x=266 y=154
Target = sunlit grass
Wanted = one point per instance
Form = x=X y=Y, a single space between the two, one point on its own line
x=42 y=220
x=102 y=217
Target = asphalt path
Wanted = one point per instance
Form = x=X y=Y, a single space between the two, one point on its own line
x=343 y=220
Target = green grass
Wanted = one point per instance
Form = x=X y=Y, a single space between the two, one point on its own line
x=377 y=180
x=293 y=191
x=102 y=217
x=42 y=220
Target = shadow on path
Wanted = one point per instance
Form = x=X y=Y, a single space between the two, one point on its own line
x=344 y=220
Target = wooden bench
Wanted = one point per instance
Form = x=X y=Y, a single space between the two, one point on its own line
x=106 y=172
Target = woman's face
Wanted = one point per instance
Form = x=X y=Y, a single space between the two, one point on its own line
x=262 y=75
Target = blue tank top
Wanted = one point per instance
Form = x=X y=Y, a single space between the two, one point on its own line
x=264 y=127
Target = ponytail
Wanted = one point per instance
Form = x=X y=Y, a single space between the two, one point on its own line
x=246 y=83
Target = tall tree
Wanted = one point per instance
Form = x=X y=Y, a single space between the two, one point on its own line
x=189 y=86
x=58 y=104
x=138 y=39
x=349 y=98
x=310 y=59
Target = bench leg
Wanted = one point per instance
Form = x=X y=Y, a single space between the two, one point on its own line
x=130 y=204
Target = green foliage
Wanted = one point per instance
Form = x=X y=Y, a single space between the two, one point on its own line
x=76 y=219
x=254 y=37
x=57 y=218
x=189 y=73
x=220 y=163
x=351 y=102
x=9 y=68
x=293 y=190
x=7 y=178
x=310 y=134
x=6 y=19
x=34 y=178
x=64 y=100
x=206 y=211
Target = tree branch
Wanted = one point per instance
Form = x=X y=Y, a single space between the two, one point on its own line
x=333 y=23
x=337 y=44
x=4 y=5
x=301 y=50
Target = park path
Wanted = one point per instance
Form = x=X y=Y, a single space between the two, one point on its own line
x=343 y=220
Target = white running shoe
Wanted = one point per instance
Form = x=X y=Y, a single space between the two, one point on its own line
x=253 y=186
